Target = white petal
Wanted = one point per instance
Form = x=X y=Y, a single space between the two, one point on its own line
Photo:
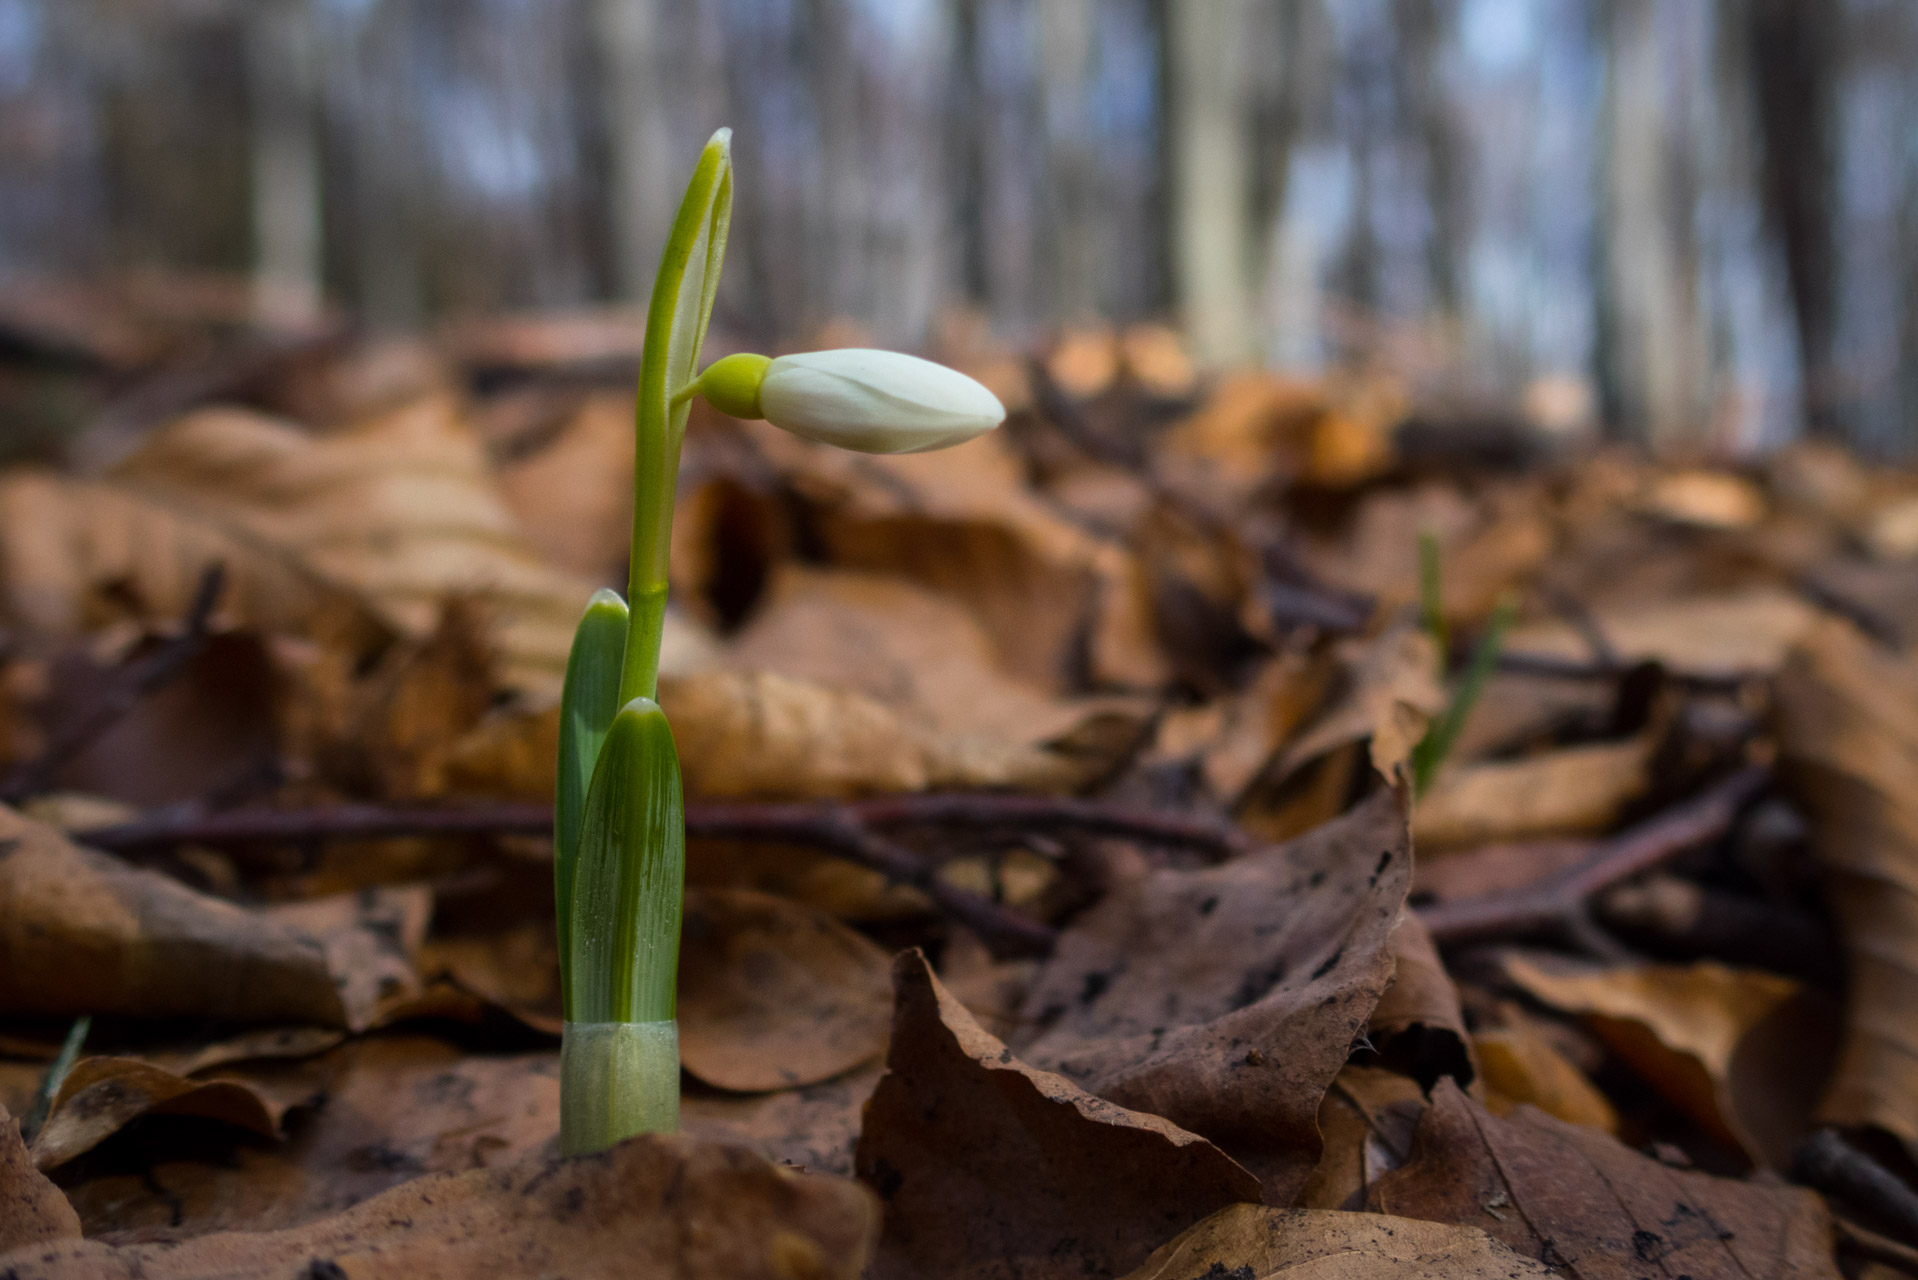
x=876 y=401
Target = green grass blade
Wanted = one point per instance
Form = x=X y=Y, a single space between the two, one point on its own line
x=1432 y=749
x=587 y=704
x=631 y=878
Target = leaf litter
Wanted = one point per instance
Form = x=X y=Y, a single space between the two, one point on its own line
x=998 y=1039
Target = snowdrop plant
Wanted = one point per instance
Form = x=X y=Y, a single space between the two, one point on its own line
x=619 y=819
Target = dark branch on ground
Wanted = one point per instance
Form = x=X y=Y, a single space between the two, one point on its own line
x=1561 y=904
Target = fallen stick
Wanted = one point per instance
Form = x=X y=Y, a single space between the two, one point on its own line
x=857 y=830
x=1561 y=903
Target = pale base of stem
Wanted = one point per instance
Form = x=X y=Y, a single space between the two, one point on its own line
x=616 y=1079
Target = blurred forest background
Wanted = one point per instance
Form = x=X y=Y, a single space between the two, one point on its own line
x=1693 y=222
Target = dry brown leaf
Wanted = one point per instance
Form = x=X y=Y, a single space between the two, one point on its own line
x=1523 y=1067
x=77 y=554
x=991 y=1168
x=1254 y=429
x=573 y=498
x=757 y=734
x=396 y=1107
x=370 y=938
x=1253 y=1242
x=663 y=1206
x=1847 y=728
x=915 y=650
x=773 y=995
x=1741 y=1052
x=32 y=1210
x=1708 y=499
x=815 y=1127
x=1575 y=1199
x=1391 y=694
x=81 y=932
x=1418 y=1022
x=965 y=524
x=1226 y=999
x=400 y=510
x=1365 y=1128
x=1570 y=791
x=101 y=1096
x=1743 y=633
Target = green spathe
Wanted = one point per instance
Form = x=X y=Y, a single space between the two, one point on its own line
x=630 y=878
x=588 y=701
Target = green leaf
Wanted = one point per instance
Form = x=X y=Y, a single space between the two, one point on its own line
x=676 y=322
x=1432 y=749
x=630 y=882
x=587 y=704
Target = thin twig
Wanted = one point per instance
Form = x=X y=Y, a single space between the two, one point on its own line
x=858 y=830
x=1560 y=903
x=1831 y=1164
x=975 y=811
x=125 y=689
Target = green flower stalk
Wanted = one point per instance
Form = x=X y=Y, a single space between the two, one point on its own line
x=619 y=830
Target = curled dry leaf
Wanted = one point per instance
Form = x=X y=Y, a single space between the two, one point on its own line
x=1576 y=1200
x=32 y=1210
x=1848 y=733
x=1573 y=790
x=773 y=995
x=82 y=932
x=991 y=1168
x=1390 y=696
x=370 y=939
x=1745 y=633
x=668 y=1207
x=1742 y=1053
x=1253 y=1242
x=399 y=510
x=100 y=1096
x=1226 y=999
x=396 y=1107
x=1418 y=1022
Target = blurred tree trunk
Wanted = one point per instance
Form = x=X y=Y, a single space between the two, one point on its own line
x=1426 y=113
x=1211 y=196
x=288 y=261
x=1654 y=357
x=1075 y=225
x=1794 y=51
x=641 y=190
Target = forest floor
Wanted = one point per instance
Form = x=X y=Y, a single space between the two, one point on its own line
x=1064 y=899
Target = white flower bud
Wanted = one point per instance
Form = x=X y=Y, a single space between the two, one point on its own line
x=876 y=401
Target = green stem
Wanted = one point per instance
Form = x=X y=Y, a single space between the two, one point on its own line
x=676 y=321
x=616 y=1079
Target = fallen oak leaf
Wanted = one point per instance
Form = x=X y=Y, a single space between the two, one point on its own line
x=992 y=1168
x=774 y=995
x=1418 y=1023
x=1577 y=1200
x=32 y=1210
x=668 y=1207
x=1226 y=999
x=1255 y=1242
x=1365 y=1127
